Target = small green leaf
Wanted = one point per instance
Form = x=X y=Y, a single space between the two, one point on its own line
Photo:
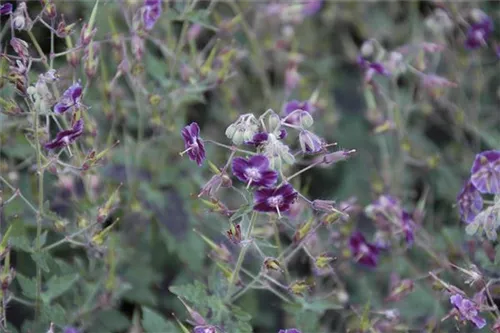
x=54 y=313
x=40 y=258
x=58 y=285
x=27 y=285
x=153 y=322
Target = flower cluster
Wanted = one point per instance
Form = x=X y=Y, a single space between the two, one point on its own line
x=484 y=179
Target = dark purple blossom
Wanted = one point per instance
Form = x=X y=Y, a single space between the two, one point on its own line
x=478 y=33
x=71 y=97
x=66 y=137
x=485 y=172
x=254 y=171
x=6 y=9
x=193 y=143
x=258 y=139
x=468 y=310
x=296 y=105
x=311 y=7
x=277 y=199
x=310 y=143
x=290 y=330
x=151 y=13
x=469 y=202
x=283 y=134
x=363 y=252
x=372 y=68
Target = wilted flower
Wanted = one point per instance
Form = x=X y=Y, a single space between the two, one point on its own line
x=151 y=13
x=290 y=330
x=485 y=172
x=6 y=9
x=234 y=234
x=272 y=264
x=479 y=30
x=469 y=202
x=310 y=143
x=254 y=171
x=399 y=288
x=20 y=47
x=276 y=199
x=372 y=68
x=204 y=329
x=258 y=139
x=193 y=143
x=66 y=137
x=71 y=97
x=363 y=252
x=86 y=35
x=293 y=105
x=467 y=310
x=20 y=18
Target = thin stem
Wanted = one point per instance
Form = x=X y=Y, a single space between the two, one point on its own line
x=232 y=148
x=20 y=194
x=241 y=257
x=277 y=240
x=68 y=238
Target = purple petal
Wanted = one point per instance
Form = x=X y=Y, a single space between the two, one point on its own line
x=61 y=107
x=470 y=202
x=311 y=7
x=283 y=134
x=485 y=172
x=268 y=178
x=258 y=139
x=259 y=161
x=66 y=137
x=6 y=9
x=456 y=300
x=239 y=166
x=478 y=321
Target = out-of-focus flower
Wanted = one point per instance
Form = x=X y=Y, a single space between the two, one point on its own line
x=70 y=329
x=194 y=31
x=254 y=171
x=6 y=9
x=20 y=47
x=363 y=252
x=469 y=202
x=330 y=158
x=485 y=172
x=293 y=105
x=310 y=143
x=71 y=97
x=311 y=7
x=151 y=13
x=213 y=185
x=66 y=137
x=432 y=81
x=372 y=68
x=276 y=199
x=439 y=22
x=292 y=77
x=290 y=330
x=20 y=18
x=194 y=145
x=204 y=329
x=479 y=30
x=467 y=310
x=399 y=288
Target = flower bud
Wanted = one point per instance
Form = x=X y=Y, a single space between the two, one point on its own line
x=87 y=34
x=274 y=122
x=20 y=47
x=21 y=19
x=310 y=143
x=306 y=120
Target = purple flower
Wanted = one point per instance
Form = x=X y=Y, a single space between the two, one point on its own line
x=296 y=105
x=310 y=143
x=468 y=310
x=204 y=329
x=485 y=172
x=363 y=252
x=258 y=139
x=478 y=33
x=70 y=329
x=193 y=143
x=372 y=68
x=277 y=199
x=71 y=97
x=408 y=226
x=311 y=7
x=151 y=13
x=290 y=330
x=254 y=171
x=6 y=9
x=66 y=137
x=470 y=202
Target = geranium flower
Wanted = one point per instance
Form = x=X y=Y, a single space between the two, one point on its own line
x=290 y=330
x=363 y=252
x=66 y=137
x=293 y=105
x=254 y=171
x=6 y=9
x=470 y=202
x=71 y=97
x=468 y=310
x=204 y=329
x=193 y=143
x=479 y=32
x=151 y=13
x=485 y=172
x=276 y=199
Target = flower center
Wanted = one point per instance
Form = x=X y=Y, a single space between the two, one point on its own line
x=275 y=201
x=364 y=249
x=253 y=174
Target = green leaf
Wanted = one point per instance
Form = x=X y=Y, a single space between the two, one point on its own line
x=153 y=322
x=54 y=313
x=27 y=285
x=11 y=328
x=110 y=320
x=40 y=258
x=58 y=285
x=18 y=238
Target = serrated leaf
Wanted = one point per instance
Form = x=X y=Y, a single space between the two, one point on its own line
x=153 y=322
x=58 y=285
x=54 y=313
x=27 y=285
x=41 y=260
